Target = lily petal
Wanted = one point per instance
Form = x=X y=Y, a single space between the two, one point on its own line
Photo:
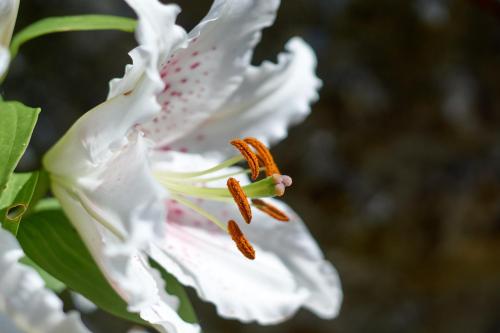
x=158 y=36
x=25 y=304
x=4 y=60
x=100 y=166
x=204 y=257
x=128 y=272
x=200 y=78
x=8 y=15
x=271 y=98
x=290 y=270
x=298 y=250
x=103 y=188
x=98 y=203
x=294 y=246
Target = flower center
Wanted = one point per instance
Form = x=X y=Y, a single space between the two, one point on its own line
x=186 y=185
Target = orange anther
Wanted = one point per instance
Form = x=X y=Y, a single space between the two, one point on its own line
x=241 y=241
x=250 y=157
x=270 y=210
x=264 y=155
x=240 y=198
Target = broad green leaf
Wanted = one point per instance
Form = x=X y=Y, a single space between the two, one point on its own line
x=50 y=241
x=186 y=311
x=70 y=23
x=50 y=282
x=22 y=191
x=16 y=125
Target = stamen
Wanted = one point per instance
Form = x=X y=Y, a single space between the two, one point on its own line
x=240 y=198
x=176 y=175
x=224 y=176
x=199 y=210
x=248 y=154
x=270 y=210
x=241 y=241
x=264 y=155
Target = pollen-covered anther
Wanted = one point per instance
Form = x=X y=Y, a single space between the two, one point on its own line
x=281 y=183
x=270 y=210
x=241 y=241
x=264 y=155
x=250 y=157
x=240 y=198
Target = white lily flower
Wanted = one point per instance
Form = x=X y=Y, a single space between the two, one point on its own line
x=142 y=170
x=26 y=306
x=8 y=15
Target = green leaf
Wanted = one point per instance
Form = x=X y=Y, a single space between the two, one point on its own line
x=22 y=191
x=50 y=282
x=50 y=241
x=16 y=125
x=70 y=23
x=186 y=311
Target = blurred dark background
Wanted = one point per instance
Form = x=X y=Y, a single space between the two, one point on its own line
x=397 y=169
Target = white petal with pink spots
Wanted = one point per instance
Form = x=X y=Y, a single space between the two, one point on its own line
x=190 y=93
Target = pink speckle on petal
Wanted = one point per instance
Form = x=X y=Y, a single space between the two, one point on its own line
x=195 y=65
x=177 y=211
x=183 y=150
x=167 y=86
x=178 y=69
x=165 y=148
x=184 y=80
x=195 y=53
x=176 y=93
